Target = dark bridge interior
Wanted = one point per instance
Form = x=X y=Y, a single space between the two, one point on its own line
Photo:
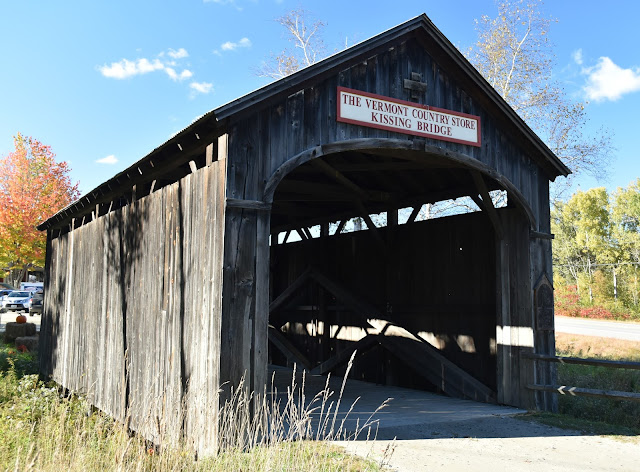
x=416 y=298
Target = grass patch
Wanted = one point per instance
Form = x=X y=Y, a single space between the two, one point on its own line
x=601 y=413
x=584 y=426
x=575 y=345
x=41 y=429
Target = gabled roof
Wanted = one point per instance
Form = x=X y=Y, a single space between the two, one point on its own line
x=193 y=140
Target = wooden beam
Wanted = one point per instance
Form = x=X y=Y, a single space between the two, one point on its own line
x=582 y=361
x=209 y=154
x=539 y=235
x=386 y=166
x=414 y=213
x=328 y=191
x=481 y=186
x=304 y=187
x=285 y=347
x=587 y=392
x=478 y=201
x=359 y=306
x=247 y=204
x=415 y=85
x=293 y=197
x=290 y=291
x=370 y=224
x=339 y=177
x=302 y=232
x=427 y=362
x=259 y=341
x=392 y=217
x=344 y=356
x=409 y=181
x=412 y=201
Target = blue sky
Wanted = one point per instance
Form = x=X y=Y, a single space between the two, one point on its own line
x=105 y=82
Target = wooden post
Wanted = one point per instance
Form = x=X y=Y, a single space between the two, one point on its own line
x=261 y=324
x=209 y=155
x=503 y=325
x=66 y=352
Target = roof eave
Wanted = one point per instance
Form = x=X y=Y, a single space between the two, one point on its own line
x=177 y=150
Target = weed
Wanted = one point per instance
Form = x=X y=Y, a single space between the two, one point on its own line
x=42 y=429
x=613 y=412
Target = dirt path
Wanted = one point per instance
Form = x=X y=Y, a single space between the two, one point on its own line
x=501 y=443
x=436 y=433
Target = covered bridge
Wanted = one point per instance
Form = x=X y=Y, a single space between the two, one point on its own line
x=224 y=249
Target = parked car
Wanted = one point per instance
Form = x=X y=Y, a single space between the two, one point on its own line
x=36 y=304
x=17 y=301
x=3 y=295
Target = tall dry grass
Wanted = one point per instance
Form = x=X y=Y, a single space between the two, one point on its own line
x=615 y=412
x=41 y=429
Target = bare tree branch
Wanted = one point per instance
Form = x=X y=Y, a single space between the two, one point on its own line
x=305 y=33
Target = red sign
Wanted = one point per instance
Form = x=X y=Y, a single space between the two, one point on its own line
x=377 y=111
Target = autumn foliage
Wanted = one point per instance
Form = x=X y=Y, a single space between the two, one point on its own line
x=33 y=187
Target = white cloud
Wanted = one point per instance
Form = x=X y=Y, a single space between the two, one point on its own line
x=608 y=81
x=125 y=68
x=577 y=57
x=201 y=87
x=173 y=75
x=225 y=2
x=167 y=61
x=179 y=54
x=110 y=159
x=230 y=46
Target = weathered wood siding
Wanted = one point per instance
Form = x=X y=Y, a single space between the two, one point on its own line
x=133 y=309
x=279 y=131
x=306 y=119
x=150 y=308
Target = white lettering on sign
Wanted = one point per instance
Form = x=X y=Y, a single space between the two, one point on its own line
x=376 y=111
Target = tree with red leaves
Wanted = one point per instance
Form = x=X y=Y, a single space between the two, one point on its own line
x=33 y=187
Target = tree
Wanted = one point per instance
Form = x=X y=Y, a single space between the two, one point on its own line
x=33 y=186
x=515 y=55
x=626 y=219
x=305 y=33
x=583 y=230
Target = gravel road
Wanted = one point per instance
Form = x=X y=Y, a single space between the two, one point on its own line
x=501 y=443
x=437 y=433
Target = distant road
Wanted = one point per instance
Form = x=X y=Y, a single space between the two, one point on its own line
x=605 y=329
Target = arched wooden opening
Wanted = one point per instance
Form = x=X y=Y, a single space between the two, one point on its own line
x=417 y=300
